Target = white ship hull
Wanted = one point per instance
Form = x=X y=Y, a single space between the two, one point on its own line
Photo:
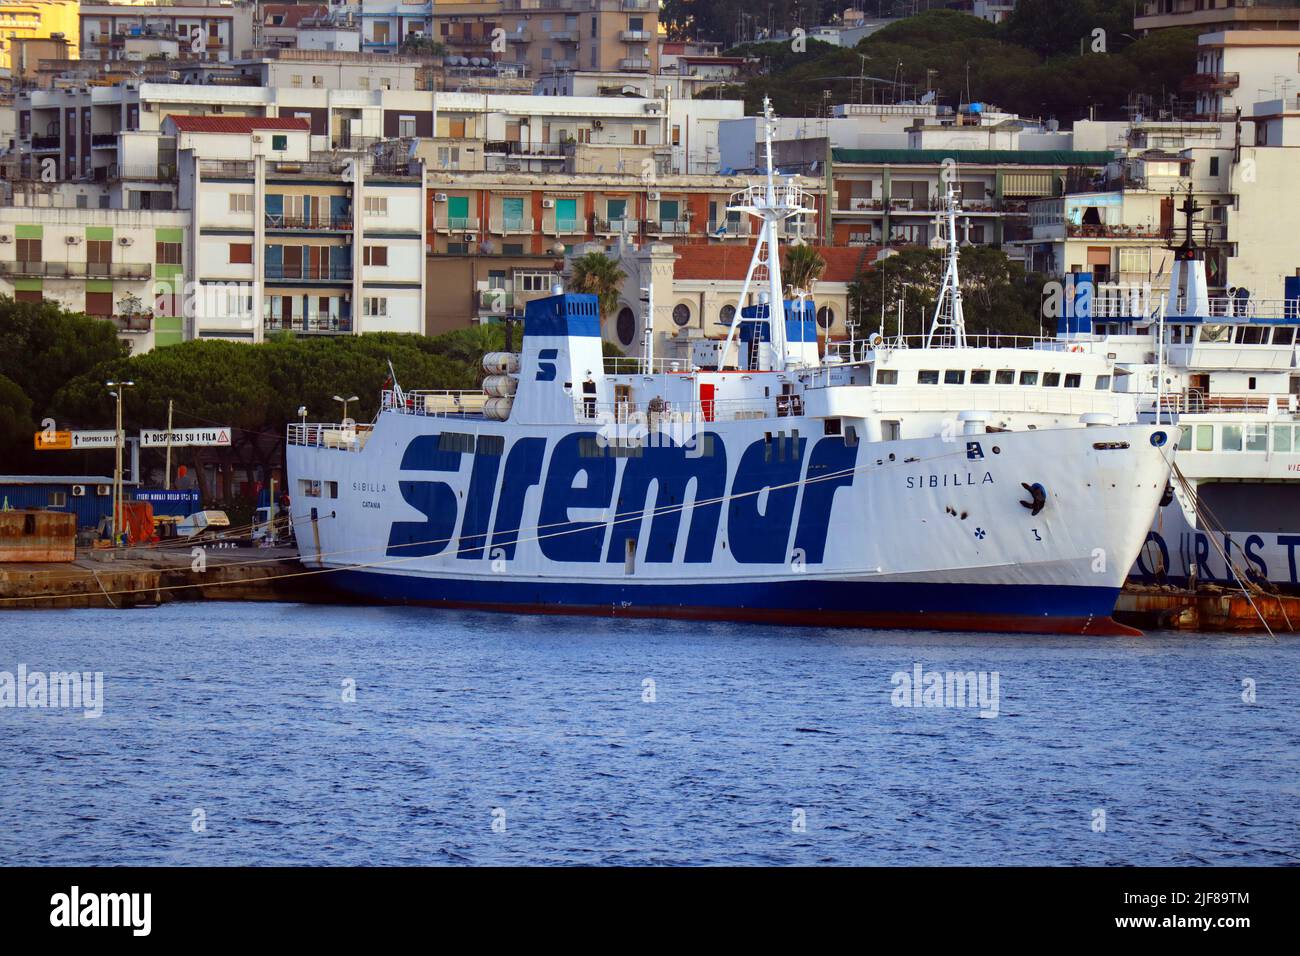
x=750 y=524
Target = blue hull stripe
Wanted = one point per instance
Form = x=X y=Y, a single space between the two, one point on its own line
x=810 y=602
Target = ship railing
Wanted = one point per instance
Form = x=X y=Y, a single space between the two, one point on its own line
x=627 y=365
x=860 y=350
x=1241 y=307
x=337 y=435
x=1194 y=401
x=657 y=414
x=434 y=402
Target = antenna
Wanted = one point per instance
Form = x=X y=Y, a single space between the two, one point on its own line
x=772 y=203
x=949 y=323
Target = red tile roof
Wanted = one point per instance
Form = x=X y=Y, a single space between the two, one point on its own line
x=237 y=124
x=731 y=260
x=292 y=14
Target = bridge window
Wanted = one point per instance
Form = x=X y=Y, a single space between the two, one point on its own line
x=954 y=376
x=1028 y=378
x=1051 y=379
x=1251 y=335
x=1205 y=438
x=1283 y=335
x=1282 y=439
x=1185 y=440
x=1216 y=333
x=1232 y=438
x=927 y=376
x=1006 y=376
x=980 y=376
x=1103 y=383
x=887 y=376
x=1256 y=437
x=1073 y=380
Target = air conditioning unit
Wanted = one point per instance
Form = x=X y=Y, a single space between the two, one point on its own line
x=103 y=490
x=78 y=491
x=597 y=124
x=469 y=237
x=72 y=240
x=439 y=197
x=257 y=139
x=548 y=203
x=125 y=240
x=653 y=196
x=4 y=239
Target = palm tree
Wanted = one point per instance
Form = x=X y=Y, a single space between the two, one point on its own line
x=597 y=274
x=802 y=268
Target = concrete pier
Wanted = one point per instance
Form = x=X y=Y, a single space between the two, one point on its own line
x=140 y=577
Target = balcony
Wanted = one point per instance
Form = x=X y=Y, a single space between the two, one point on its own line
x=310 y=223
x=635 y=36
x=1105 y=231
x=103 y=140
x=636 y=64
x=453 y=224
x=511 y=225
x=861 y=204
x=321 y=325
x=135 y=322
x=640 y=4
x=565 y=36
x=40 y=143
x=1211 y=82
x=564 y=227
x=729 y=229
x=669 y=227
x=618 y=227
x=161 y=173
x=496 y=301
x=280 y=273
x=77 y=270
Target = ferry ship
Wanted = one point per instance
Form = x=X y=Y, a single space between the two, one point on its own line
x=960 y=485
x=1224 y=368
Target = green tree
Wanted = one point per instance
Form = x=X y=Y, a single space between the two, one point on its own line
x=16 y=425
x=802 y=268
x=597 y=274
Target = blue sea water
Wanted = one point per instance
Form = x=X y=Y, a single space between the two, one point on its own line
x=491 y=739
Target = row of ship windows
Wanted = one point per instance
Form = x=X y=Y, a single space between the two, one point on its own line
x=1249 y=437
x=1003 y=376
x=1232 y=334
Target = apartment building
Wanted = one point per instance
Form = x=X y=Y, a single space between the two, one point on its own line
x=34 y=20
x=1218 y=15
x=194 y=29
x=491 y=213
x=1234 y=70
x=114 y=264
x=1262 y=248
x=287 y=239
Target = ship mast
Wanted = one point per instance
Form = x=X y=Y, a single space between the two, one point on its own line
x=771 y=203
x=949 y=324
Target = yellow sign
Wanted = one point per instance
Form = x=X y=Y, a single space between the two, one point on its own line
x=53 y=441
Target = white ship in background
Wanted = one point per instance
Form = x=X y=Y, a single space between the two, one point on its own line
x=950 y=486
x=1230 y=379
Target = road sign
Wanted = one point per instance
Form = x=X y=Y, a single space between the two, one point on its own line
x=157 y=437
x=95 y=439
x=53 y=441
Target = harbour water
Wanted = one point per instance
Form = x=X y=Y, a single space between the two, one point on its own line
x=292 y=734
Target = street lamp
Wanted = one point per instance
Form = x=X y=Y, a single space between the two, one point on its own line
x=117 y=393
x=352 y=398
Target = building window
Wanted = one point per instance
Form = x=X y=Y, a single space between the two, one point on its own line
x=241 y=202
x=826 y=317
x=376 y=205
x=375 y=255
x=625 y=325
x=279 y=143
x=29 y=250
x=406 y=127
x=241 y=253
x=168 y=253
x=375 y=306
x=681 y=314
x=58 y=499
x=727 y=314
